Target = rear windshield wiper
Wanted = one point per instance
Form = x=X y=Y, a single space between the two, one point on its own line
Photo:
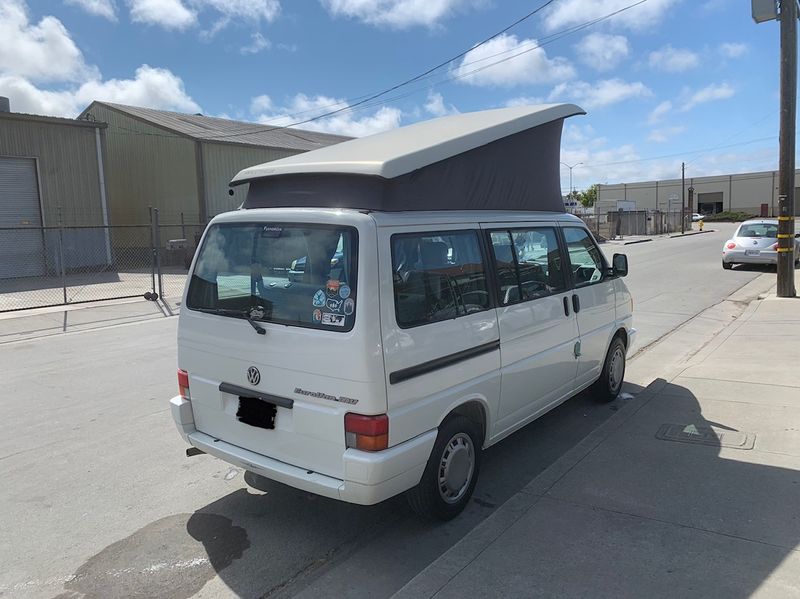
x=245 y=314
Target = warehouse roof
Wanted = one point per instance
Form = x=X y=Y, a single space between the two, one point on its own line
x=54 y=120
x=400 y=151
x=207 y=128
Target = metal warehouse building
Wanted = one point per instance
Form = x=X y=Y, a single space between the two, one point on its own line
x=182 y=163
x=753 y=193
x=51 y=173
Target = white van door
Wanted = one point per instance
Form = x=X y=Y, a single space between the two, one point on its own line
x=278 y=332
x=440 y=337
x=593 y=299
x=538 y=329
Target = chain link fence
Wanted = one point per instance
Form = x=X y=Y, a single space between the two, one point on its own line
x=51 y=266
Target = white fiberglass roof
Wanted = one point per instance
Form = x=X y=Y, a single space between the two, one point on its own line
x=401 y=151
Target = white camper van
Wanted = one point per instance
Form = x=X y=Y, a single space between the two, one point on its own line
x=382 y=310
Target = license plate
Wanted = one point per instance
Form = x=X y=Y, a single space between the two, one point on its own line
x=256 y=412
x=752 y=252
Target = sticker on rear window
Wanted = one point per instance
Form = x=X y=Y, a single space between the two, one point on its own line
x=332 y=288
x=333 y=320
x=349 y=306
x=271 y=231
x=317 y=315
x=319 y=299
x=344 y=291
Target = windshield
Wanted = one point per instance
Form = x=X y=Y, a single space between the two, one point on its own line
x=758 y=230
x=303 y=275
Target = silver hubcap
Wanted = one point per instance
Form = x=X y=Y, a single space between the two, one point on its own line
x=456 y=467
x=616 y=369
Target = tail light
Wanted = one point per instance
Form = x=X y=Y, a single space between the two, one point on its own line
x=183 y=384
x=730 y=245
x=774 y=246
x=367 y=433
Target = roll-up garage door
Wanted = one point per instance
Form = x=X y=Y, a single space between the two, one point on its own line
x=21 y=251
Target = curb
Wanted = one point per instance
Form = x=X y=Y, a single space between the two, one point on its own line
x=637 y=241
x=692 y=233
x=447 y=566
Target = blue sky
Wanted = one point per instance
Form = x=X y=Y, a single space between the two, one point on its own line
x=663 y=82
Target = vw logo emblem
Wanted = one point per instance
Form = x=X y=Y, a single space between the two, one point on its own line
x=253 y=375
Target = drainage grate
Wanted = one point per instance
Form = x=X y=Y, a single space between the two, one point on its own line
x=706 y=435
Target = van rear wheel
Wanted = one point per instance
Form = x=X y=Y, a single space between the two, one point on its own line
x=608 y=386
x=451 y=472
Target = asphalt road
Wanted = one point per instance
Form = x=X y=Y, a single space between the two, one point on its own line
x=99 y=500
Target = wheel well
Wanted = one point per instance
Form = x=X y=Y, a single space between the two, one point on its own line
x=474 y=411
x=622 y=334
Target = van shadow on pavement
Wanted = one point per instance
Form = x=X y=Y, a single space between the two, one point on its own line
x=275 y=540
x=712 y=513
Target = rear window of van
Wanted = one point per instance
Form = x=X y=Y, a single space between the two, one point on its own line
x=292 y=274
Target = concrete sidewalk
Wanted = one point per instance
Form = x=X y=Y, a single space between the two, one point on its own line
x=692 y=488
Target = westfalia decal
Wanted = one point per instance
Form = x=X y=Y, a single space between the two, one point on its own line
x=320 y=395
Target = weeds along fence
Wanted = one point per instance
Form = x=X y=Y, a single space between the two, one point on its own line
x=52 y=266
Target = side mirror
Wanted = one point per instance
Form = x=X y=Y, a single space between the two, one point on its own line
x=620 y=265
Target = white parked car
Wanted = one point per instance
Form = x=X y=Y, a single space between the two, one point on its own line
x=755 y=242
x=697 y=217
x=433 y=334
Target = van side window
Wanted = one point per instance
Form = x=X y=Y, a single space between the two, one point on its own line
x=585 y=258
x=437 y=276
x=529 y=264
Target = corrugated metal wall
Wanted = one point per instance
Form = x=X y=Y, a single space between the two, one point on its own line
x=221 y=162
x=67 y=161
x=147 y=166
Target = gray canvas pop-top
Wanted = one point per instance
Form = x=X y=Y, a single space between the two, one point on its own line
x=503 y=159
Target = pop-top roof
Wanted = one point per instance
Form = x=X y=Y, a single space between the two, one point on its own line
x=400 y=151
x=504 y=159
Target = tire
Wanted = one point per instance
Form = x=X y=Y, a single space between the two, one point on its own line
x=457 y=447
x=608 y=386
x=727 y=265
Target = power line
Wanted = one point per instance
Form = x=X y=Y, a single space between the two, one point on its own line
x=366 y=102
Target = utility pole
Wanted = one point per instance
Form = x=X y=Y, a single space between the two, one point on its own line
x=683 y=196
x=767 y=10
x=788 y=19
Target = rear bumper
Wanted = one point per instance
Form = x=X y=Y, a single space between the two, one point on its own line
x=739 y=257
x=369 y=477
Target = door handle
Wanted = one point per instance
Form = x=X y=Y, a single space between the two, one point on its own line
x=566 y=306
x=576 y=303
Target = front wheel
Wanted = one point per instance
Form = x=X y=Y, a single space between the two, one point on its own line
x=608 y=386
x=451 y=472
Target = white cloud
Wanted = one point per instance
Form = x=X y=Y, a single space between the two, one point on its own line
x=567 y=13
x=151 y=87
x=659 y=111
x=673 y=60
x=169 y=14
x=733 y=49
x=709 y=93
x=41 y=52
x=99 y=8
x=303 y=107
x=524 y=101
x=258 y=44
x=525 y=64
x=601 y=51
x=435 y=105
x=600 y=93
x=399 y=14
x=665 y=133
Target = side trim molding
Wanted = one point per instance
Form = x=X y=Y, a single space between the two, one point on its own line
x=438 y=363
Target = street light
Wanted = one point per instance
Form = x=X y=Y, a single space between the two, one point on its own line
x=570 y=174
